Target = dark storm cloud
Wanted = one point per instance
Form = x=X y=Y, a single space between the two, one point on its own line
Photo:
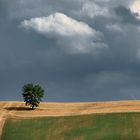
x=127 y=16
x=78 y=8
x=29 y=56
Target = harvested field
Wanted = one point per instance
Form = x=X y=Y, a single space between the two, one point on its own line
x=18 y=109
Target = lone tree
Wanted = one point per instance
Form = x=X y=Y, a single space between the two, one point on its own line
x=32 y=94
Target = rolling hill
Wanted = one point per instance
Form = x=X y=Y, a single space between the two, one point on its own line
x=17 y=110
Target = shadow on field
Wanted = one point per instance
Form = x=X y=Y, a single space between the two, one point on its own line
x=18 y=108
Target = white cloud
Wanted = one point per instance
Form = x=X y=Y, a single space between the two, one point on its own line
x=135 y=7
x=72 y=35
x=95 y=8
x=92 y=9
x=114 y=27
x=58 y=24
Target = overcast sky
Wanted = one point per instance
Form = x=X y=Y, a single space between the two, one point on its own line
x=77 y=50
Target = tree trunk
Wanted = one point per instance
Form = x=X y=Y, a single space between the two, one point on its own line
x=33 y=107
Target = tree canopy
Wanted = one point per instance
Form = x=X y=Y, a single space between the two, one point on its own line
x=32 y=94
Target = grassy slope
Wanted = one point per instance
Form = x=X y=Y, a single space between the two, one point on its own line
x=121 y=126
